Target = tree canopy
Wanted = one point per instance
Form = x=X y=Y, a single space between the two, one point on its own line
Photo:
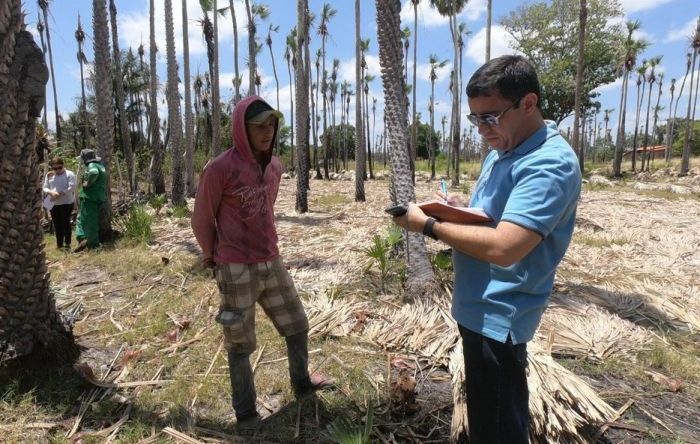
x=547 y=33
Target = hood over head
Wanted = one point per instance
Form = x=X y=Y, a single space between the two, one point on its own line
x=255 y=110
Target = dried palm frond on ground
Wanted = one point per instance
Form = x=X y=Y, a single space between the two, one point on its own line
x=562 y=405
x=591 y=333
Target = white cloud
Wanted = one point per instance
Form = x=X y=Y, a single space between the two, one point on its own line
x=608 y=88
x=630 y=6
x=500 y=44
x=681 y=33
x=134 y=27
x=430 y=17
x=346 y=70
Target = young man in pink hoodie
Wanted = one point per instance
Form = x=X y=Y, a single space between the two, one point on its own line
x=234 y=223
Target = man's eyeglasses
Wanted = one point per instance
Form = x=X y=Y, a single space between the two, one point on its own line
x=56 y=168
x=489 y=119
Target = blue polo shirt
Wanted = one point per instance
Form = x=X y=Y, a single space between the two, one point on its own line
x=535 y=185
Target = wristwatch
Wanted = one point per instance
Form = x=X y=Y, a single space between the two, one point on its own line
x=428 y=228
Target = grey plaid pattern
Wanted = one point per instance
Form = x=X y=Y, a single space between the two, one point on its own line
x=270 y=285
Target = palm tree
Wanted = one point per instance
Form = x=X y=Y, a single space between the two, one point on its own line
x=236 y=80
x=641 y=81
x=695 y=46
x=302 y=96
x=450 y=9
x=327 y=13
x=158 y=149
x=414 y=126
x=606 y=135
x=669 y=144
x=368 y=78
x=657 y=109
x=290 y=55
x=82 y=60
x=462 y=32
x=631 y=50
x=174 y=117
x=651 y=78
x=215 y=90
x=29 y=320
x=420 y=273
x=435 y=64
x=254 y=11
x=103 y=99
x=44 y=6
x=268 y=42
x=583 y=14
x=119 y=86
x=190 y=187
x=314 y=111
x=40 y=28
x=359 y=130
x=667 y=137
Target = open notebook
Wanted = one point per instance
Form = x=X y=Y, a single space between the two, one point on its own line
x=448 y=213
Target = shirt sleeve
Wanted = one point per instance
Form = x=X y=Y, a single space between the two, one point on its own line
x=46 y=187
x=92 y=174
x=206 y=207
x=543 y=192
x=71 y=183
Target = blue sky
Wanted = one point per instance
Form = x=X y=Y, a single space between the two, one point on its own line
x=667 y=24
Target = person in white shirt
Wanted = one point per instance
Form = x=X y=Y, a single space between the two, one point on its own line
x=59 y=185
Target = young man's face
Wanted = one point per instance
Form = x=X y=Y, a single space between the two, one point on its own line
x=261 y=137
x=511 y=118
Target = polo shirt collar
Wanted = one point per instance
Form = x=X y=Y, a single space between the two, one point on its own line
x=536 y=140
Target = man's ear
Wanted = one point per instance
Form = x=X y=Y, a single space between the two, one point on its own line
x=529 y=102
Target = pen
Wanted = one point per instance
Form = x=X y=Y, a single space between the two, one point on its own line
x=443 y=187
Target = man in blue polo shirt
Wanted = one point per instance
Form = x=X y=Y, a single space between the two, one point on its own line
x=504 y=271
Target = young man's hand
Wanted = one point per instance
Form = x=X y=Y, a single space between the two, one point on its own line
x=451 y=199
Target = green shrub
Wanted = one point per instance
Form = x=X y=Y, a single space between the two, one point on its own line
x=136 y=224
x=179 y=211
x=157 y=202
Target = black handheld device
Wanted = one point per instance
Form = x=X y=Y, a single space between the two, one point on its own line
x=396 y=211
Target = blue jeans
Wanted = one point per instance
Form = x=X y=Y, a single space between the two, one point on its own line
x=497 y=394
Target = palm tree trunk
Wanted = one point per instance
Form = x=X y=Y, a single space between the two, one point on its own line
x=359 y=131
x=124 y=132
x=190 y=187
x=174 y=117
x=640 y=100
x=414 y=130
x=302 y=96
x=215 y=90
x=620 y=139
x=251 y=49
x=157 y=178
x=420 y=272
x=29 y=320
x=646 y=128
x=40 y=28
x=237 y=79
x=103 y=98
x=44 y=5
x=583 y=12
x=685 y=160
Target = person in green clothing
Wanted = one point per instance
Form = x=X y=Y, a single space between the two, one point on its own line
x=93 y=194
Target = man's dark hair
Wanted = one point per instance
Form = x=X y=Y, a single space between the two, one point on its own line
x=511 y=76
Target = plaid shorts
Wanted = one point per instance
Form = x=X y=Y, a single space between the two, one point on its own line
x=269 y=284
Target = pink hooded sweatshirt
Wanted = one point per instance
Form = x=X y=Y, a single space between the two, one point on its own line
x=234 y=219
